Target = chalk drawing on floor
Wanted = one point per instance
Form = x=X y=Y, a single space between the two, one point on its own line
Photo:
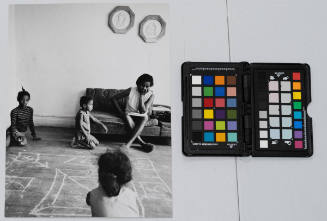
x=48 y=206
x=79 y=161
x=30 y=158
x=80 y=172
x=16 y=183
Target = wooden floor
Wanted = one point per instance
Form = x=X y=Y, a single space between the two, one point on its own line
x=49 y=178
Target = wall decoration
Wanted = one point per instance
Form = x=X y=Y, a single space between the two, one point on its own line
x=121 y=19
x=152 y=28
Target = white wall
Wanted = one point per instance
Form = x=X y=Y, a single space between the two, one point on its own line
x=62 y=49
x=9 y=83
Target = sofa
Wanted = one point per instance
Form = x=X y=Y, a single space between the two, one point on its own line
x=158 y=125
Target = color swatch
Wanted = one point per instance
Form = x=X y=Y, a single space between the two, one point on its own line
x=282 y=121
x=214 y=108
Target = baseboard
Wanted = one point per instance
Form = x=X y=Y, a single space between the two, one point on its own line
x=54 y=121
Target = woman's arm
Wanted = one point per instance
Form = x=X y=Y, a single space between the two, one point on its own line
x=118 y=96
x=149 y=102
x=144 y=106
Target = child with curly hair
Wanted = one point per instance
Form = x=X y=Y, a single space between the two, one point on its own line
x=112 y=198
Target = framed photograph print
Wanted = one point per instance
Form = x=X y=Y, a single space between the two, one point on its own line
x=152 y=28
x=121 y=19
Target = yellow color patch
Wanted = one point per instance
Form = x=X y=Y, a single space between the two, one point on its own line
x=296 y=95
x=208 y=114
x=219 y=80
x=296 y=85
x=220 y=137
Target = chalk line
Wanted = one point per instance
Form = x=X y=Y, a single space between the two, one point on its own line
x=81 y=185
x=18 y=177
x=160 y=177
x=34 y=210
x=62 y=184
x=139 y=201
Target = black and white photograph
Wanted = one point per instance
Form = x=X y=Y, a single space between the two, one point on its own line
x=89 y=123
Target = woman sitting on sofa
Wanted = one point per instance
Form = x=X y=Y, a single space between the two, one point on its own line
x=138 y=108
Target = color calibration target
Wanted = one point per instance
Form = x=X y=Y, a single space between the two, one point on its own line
x=214 y=109
x=282 y=121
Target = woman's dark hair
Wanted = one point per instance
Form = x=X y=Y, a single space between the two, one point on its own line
x=23 y=93
x=84 y=100
x=144 y=78
x=115 y=170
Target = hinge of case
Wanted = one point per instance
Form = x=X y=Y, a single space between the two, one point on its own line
x=247 y=107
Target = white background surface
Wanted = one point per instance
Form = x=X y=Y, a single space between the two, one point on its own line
x=262 y=31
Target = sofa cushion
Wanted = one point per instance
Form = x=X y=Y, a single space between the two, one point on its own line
x=102 y=99
x=106 y=117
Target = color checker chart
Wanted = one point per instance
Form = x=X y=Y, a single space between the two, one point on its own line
x=214 y=107
x=242 y=109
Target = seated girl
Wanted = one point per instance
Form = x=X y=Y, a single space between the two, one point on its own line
x=21 y=119
x=138 y=108
x=112 y=198
x=83 y=137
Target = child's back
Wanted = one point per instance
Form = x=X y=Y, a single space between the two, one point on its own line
x=113 y=198
x=123 y=205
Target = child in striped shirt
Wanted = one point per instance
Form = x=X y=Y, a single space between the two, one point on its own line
x=21 y=119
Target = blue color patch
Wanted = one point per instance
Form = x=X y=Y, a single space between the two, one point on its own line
x=208 y=136
x=232 y=137
x=298 y=124
x=208 y=80
x=231 y=102
x=297 y=115
x=219 y=91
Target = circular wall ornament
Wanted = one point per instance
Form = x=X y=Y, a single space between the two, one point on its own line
x=152 y=28
x=121 y=19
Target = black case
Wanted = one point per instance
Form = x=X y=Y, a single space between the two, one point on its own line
x=247 y=107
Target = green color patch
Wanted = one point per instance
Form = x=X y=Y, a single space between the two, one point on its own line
x=220 y=125
x=231 y=114
x=208 y=91
x=297 y=105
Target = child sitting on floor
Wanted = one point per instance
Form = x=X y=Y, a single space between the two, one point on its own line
x=21 y=119
x=83 y=137
x=112 y=198
x=138 y=108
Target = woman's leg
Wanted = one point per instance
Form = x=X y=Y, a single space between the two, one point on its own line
x=131 y=125
x=137 y=130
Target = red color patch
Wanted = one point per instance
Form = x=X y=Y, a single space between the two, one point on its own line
x=220 y=102
x=296 y=76
x=208 y=102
